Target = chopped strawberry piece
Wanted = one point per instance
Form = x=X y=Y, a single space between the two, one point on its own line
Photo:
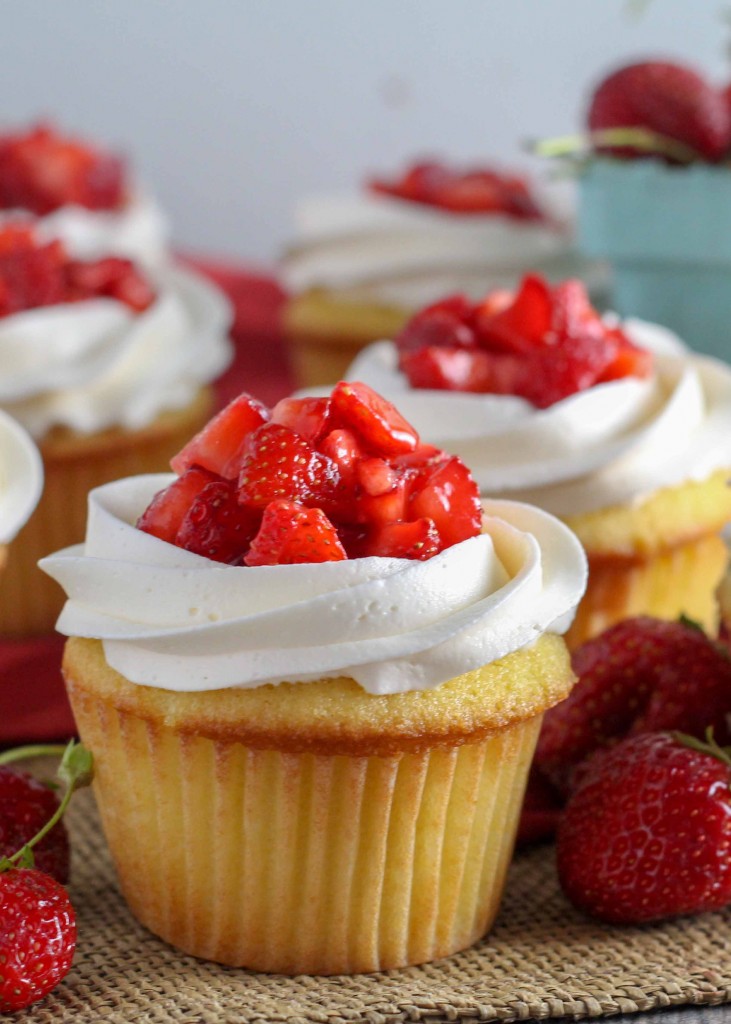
x=450 y=497
x=220 y=446
x=417 y=540
x=343 y=448
x=376 y=477
x=308 y=417
x=422 y=456
x=290 y=534
x=437 y=328
x=278 y=463
x=473 y=191
x=111 y=277
x=216 y=526
x=42 y=171
x=524 y=324
x=167 y=510
x=447 y=369
x=629 y=360
x=378 y=424
x=389 y=506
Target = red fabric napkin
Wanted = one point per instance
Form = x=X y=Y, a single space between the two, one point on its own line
x=33 y=703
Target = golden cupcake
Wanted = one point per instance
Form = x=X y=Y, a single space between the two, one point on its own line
x=323 y=711
x=617 y=429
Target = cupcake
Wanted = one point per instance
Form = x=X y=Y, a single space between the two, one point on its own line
x=615 y=427
x=80 y=194
x=317 y=688
x=108 y=368
x=655 y=198
x=21 y=480
x=362 y=264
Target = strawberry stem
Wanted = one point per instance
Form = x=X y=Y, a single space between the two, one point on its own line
x=637 y=138
x=708 y=747
x=36 y=750
x=75 y=771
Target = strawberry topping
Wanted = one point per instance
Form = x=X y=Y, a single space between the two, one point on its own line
x=322 y=480
x=475 y=190
x=35 y=274
x=542 y=344
x=42 y=171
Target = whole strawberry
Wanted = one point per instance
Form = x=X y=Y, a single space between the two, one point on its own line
x=37 y=936
x=666 y=99
x=25 y=806
x=647 y=832
x=641 y=675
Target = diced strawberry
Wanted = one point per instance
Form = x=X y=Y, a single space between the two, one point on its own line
x=421 y=183
x=472 y=193
x=167 y=510
x=439 y=327
x=389 y=506
x=216 y=526
x=417 y=540
x=524 y=324
x=422 y=456
x=447 y=369
x=290 y=534
x=376 y=477
x=450 y=497
x=220 y=446
x=112 y=277
x=308 y=417
x=574 y=365
x=629 y=361
x=343 y=448
x=278 y=463
x=379 y=425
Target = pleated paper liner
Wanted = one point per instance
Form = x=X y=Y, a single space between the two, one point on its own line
x=30 y=601
x=541 y=960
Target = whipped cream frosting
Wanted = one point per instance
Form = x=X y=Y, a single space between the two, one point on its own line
x=96 y=364
x=371 y=247
x=21 y=477
x=138 y=231
x=615 y=443
x=175 y=620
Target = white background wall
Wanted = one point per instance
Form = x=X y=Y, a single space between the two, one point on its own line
x=233 y=108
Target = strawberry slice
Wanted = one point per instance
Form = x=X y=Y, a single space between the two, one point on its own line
x=379 y=425
x=220 y=446
x=291 y=533
x=216 y=526
x=308 y=417
x=523 y=325
x=451 y=499
x=447 y=369
x=343 y=448
x=444 y=323
x=629 y=361
x=278 y=463
x=114 y=278
x=417 y=540
x=167 y=510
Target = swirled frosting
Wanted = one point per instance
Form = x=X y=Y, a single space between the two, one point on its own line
x=177 y=621
x=21 y=477
x=379 y=248
x=613 y=443
x=97 y=364
x=139 y=231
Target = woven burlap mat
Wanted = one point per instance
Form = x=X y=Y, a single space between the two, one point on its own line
x=542 y=960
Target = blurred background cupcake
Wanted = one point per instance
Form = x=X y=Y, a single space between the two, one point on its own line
x=362 y=263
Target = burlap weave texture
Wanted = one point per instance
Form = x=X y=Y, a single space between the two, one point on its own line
x=542 y=960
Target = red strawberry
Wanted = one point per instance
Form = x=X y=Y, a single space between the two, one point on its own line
x=668 y=99
x=541 y=811
x=42 y=171
x=280 y=464
x=448 y=369
x=417 y=540
x=437 y=326
x=167 y=510
x=220 y=446
x=647 y=833
x=308 y=417
x=217 y=526
x=376 y=422
x=521 y=326
x=448 y=496
x=291 y=533
x=37 y=936
x=640 y=675
x=343 y=448
x=112 y=278
x=31 y=274
x=25 y=807
x=421 y=183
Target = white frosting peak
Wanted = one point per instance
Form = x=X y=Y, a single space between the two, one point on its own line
x=613 y=443
x=21 y=477
x=95 y=364
x=175 y=620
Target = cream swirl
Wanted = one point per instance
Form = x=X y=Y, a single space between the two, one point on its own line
x=177 y=621
x=21 y=477
x=379 y=248
x=613 y=443
x=138 y=231
x=95 y=364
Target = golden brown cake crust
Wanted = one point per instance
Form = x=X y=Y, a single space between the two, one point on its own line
x=325 y=318
x=335 y=716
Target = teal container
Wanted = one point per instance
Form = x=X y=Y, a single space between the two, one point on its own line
x=667 y=234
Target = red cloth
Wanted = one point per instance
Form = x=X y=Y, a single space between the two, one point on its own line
x=33 y=703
